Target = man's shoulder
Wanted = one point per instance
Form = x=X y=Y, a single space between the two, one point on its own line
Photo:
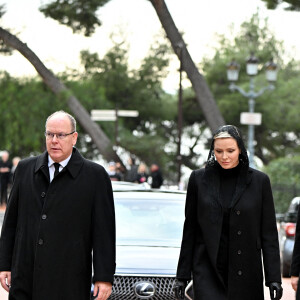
x=78 y=158
x=93 y=165
x=28 y=160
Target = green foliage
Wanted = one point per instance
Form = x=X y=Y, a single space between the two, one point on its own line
x=147 y=135
x=2 y=10
x=291 y=4
x=284 y=174
x=25 y=105
x=3 y=48
x=278 y=135
x=79 y=15
x=107 y=83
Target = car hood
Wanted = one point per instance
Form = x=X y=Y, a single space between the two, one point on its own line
x=147 y=260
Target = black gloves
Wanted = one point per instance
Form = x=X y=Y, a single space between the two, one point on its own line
x=275 y=290
x=179 y=288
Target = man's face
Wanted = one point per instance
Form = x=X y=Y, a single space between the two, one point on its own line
x=5 y=156
x=60 y=149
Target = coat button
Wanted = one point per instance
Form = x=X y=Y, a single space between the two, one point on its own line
x=239 y=232
x=41 y=242
x=44 y=217
x=43 y=194
x=240 y=273
x=239 y=252
x=238 y=212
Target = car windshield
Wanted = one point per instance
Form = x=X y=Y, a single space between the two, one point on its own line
x=149 y=222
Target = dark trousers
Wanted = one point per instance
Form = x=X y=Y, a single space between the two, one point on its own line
x=3 y=192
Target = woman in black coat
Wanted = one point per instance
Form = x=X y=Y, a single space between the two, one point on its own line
x=230 y=225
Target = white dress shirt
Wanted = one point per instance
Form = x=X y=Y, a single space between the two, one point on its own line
x=51 y=167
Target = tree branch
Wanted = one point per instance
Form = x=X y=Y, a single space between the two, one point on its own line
x=57 y=87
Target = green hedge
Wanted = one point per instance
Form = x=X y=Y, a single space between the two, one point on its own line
x=284 y=174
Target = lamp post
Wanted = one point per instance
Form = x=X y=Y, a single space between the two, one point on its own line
x=251 y=118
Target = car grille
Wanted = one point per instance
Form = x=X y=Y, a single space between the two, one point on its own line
x=123 y=288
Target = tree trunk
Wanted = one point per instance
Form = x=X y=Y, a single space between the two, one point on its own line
x=57 y=87
x=204 y=96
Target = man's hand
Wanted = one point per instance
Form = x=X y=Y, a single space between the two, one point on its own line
x=101 y=289
x=179 y=288
x=5 y=279
x=275 y=290
x=294 y=282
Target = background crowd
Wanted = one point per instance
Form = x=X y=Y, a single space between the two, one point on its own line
x=7 y=168
x=136 y=173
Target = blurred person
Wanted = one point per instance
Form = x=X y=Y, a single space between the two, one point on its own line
x=295 y=265
x=120 y=170
x=230 y=227
x=15 y=162
x=156 y=176
x=5 y=168
x=142 y=174
x=131 y=175
x=59 y=223
x=112 y=172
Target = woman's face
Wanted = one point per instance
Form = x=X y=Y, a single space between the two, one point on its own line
x=227 y=152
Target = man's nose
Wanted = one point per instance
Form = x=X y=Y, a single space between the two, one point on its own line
x=55 y=139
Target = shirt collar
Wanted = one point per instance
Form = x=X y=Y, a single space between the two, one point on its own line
x=62 y=163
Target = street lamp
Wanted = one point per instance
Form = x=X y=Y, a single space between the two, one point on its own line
x=251 y=118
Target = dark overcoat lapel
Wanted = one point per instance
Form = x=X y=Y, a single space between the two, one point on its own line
x=42 y=165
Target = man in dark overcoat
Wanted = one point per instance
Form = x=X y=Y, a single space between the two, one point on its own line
x=59 y=222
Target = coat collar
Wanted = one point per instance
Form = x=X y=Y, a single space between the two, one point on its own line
x=243 y=181
x=212 y=181
x=73 y=167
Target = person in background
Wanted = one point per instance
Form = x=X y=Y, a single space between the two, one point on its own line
x=295 y=265
x=15 y=162
x=5 y=169
x=229 y=228
x=59 y=224
x=131 y=175
x=120 y=170
x=112 y=172
x=142 y=175
x=156 y=176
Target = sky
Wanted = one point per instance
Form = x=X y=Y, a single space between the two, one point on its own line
x=200 y=20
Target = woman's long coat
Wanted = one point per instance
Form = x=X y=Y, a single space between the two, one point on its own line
x=51 y=229
x=253 y=235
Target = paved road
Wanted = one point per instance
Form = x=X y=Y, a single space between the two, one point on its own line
x=288 y=293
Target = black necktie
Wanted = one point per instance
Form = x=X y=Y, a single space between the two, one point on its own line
x=56 y=166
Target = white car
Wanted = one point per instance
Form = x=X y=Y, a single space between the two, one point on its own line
x=149 y=226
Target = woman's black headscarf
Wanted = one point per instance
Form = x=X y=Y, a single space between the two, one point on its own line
x=211 y=174
x=229 y=131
